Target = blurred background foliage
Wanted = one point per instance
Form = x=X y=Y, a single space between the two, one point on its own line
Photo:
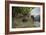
x=20 y=10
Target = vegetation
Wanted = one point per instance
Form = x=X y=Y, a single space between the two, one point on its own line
x=21 y=10
x=24 y=21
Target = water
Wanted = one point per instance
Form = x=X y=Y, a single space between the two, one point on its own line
x=37 y=24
